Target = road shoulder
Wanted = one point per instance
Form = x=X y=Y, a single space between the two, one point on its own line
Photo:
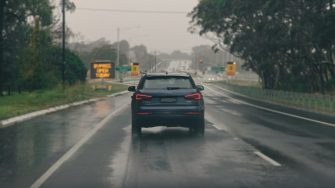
x=14 y=120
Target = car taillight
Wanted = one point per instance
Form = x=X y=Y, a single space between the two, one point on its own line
x=194 y=96
x=140 y=97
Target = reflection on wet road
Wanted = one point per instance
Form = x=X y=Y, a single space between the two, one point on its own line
x=29 y=148
x=177 y=159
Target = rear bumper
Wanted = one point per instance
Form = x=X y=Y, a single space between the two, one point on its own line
x=170 y=116
x=168 y=120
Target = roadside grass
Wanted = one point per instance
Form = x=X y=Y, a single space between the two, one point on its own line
x=247 y=83
x=312 y=102
x=18 y=104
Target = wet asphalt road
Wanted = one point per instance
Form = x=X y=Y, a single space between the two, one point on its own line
x=91 y=146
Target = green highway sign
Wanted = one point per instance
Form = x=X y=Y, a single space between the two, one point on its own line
x=123 y=68
x=217 y=69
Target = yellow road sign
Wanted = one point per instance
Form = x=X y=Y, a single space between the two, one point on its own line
x=135 y=69
x=231 y=69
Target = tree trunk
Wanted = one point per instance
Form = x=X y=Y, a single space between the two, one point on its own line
x=331 y=2
x=322 y=81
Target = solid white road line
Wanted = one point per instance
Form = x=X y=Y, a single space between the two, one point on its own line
x=258 y=153
x=275 y=111
x=38 y=183
x=232 y=112
x=118 y=164
x=268 y=159
x=216 y=124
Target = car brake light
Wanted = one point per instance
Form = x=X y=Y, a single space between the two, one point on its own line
x=140 y=97
x=194 y=96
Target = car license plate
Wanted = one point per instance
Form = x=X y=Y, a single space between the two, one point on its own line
x=168 y=100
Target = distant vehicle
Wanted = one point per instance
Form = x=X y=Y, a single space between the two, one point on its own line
x=167 y=99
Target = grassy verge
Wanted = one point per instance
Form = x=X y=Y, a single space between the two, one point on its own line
x=18 y=104
x=247 y=83
x=311 y=102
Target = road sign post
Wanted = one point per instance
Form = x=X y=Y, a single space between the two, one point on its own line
x=231 y=69
x=135 y=69
x=102 y=70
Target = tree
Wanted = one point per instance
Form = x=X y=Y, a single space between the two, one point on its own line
x=105 y=52
x=15 y=24
x=26 y=43
x=179 y=55
x=287 y=43
x=145 y=59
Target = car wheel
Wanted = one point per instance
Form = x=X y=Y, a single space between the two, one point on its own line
x=191 y=130
x=136 y=129
x=200 y=129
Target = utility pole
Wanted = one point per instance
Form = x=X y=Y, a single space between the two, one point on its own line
x=196 y=64
x=155 y=61
x=118 y=51
x=63 y=45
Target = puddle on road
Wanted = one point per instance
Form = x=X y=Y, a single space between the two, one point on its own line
x=119 y=163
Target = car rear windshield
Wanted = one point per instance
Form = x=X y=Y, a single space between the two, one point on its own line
x=167 y=83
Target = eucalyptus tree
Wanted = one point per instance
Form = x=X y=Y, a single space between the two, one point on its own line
x=290 y=44
x=16 y=24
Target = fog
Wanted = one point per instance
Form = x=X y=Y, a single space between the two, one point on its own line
x=158 y=31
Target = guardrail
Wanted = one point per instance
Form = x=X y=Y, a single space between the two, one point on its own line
x=311 y=102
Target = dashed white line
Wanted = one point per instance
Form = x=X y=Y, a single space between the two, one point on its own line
x=234 y=101
x=232 y=112
x=268 y=159
x=275 y=111
x=216 y=123
x=39 y=182
x=217 y=127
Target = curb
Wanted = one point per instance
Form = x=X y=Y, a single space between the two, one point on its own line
x=14 y=120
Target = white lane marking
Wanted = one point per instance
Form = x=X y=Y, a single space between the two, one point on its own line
x=234 y=101
x=216 y=124
x=232 y=112
x=258 y=153
x=209 y=101
x=276 y=111
x=119 y=166
x=268 y=159
x=217 y=127
x=38 y=183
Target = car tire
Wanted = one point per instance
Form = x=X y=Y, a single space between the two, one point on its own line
x=200 y=129
x=191 y=130
x=136 y=129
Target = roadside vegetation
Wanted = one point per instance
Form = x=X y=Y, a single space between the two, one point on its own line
x=316 y=102
x=246 y=83
x=18 y=104
x=31 y=47
x=289 y=44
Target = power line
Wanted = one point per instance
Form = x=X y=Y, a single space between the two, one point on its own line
x=133 y=11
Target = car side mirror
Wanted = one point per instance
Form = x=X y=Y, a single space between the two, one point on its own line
x=200 y=87
x=132 y=88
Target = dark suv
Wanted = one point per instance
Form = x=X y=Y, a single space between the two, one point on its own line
x=167 y=99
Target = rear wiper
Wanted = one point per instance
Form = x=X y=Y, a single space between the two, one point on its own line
x=172 y=88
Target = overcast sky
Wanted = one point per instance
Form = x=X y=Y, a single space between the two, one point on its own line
x=161 y=32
